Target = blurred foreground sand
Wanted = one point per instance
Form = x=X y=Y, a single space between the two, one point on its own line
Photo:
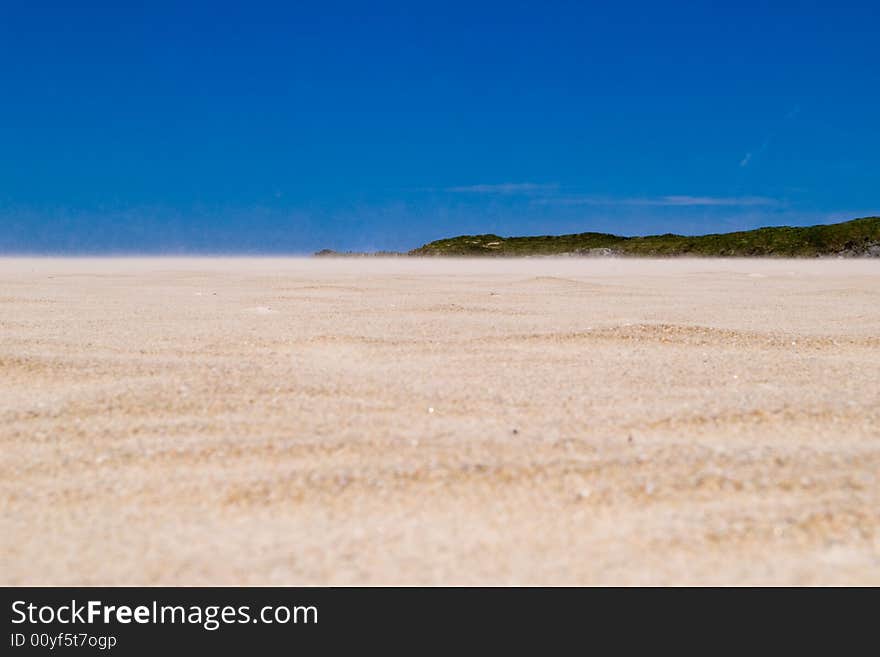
x=296 y=421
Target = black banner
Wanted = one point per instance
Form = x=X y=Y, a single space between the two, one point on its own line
x=132 y=621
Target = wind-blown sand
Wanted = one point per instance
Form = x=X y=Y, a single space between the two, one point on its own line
x=294 y=421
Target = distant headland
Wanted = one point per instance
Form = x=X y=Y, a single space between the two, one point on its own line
x=856 y=238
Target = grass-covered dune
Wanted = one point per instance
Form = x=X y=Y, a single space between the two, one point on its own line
x=859 y=237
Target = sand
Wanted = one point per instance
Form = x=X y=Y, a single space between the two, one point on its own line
x=366 y=421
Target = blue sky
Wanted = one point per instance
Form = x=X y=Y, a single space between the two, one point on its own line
x=288 y=127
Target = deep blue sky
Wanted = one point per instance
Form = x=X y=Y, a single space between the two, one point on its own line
x=293 y=126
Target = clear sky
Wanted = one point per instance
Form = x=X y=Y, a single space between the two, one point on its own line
x=292 y=126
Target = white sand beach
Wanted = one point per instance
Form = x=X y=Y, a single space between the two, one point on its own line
x=409 y=421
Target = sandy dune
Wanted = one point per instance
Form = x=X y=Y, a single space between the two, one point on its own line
x=292 y=421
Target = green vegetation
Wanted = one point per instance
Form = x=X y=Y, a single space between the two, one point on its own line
x=859 y=237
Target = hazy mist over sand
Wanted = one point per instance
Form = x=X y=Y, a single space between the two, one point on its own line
x=412 y=421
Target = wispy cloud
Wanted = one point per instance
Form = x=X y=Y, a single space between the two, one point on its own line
x=751 y=155
x=735 y=201
x=549 y=194
x=665 y=201
x=504 y=188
